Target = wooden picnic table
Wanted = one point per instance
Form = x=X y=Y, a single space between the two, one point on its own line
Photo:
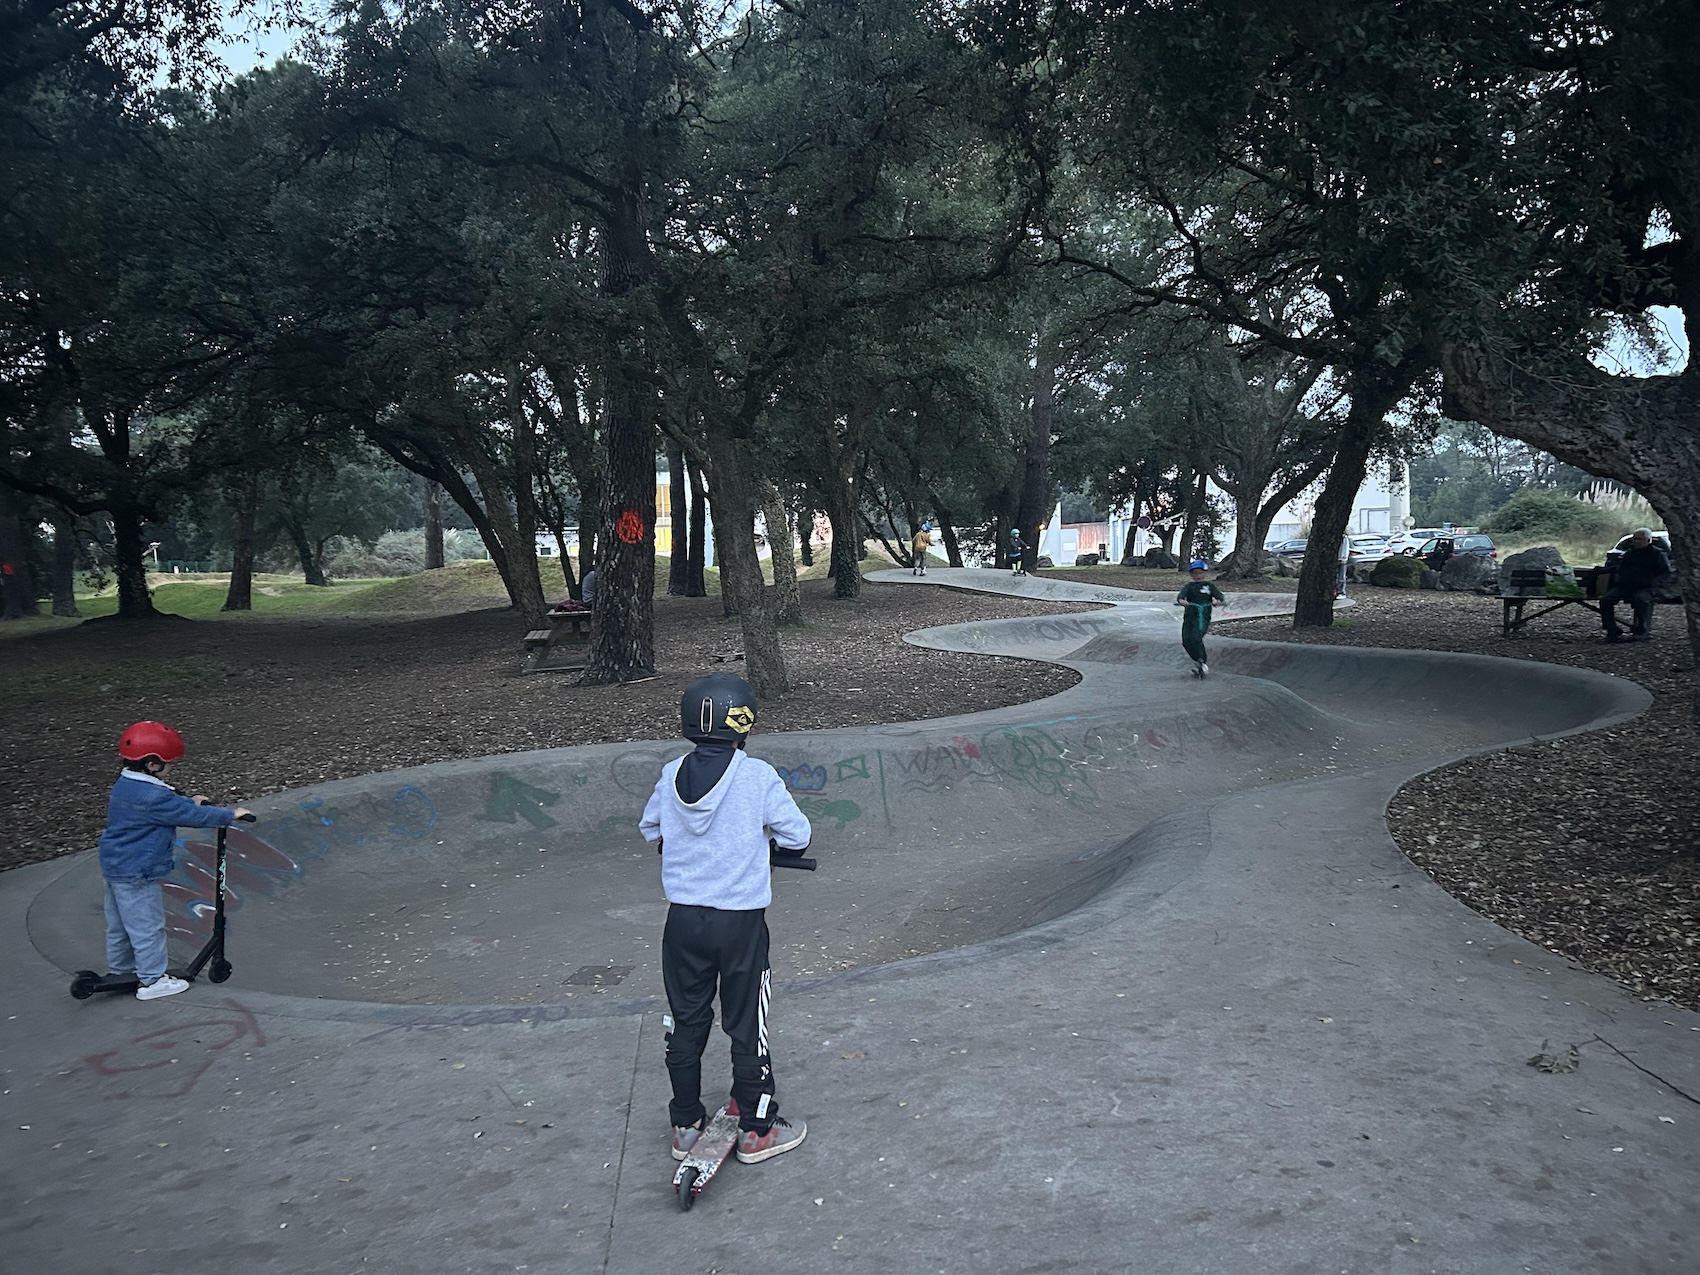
x=561 y=646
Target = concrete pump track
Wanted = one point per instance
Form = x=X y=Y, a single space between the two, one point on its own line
x=1129 y=978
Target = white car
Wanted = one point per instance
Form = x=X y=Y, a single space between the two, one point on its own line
x=1368 y=548
x=1409 y=542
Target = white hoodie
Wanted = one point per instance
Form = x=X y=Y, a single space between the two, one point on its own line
x=714 y=851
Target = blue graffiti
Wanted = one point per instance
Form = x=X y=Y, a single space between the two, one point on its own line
x=803 y=778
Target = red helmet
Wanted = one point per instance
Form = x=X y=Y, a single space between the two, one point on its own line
x=150 y=739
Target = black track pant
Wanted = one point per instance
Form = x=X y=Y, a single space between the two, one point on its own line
x=1640 y=605
x=700 y=947
x=1192 y=640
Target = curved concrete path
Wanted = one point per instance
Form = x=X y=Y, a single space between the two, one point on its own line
x=1181 y=1005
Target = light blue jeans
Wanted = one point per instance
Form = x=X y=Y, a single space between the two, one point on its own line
x=135 y=929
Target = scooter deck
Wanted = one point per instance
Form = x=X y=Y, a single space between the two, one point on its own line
x=711 y=1151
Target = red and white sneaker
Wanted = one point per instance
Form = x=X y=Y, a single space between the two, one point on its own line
x=755 y=1147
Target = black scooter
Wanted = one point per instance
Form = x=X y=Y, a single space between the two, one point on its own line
x=85 y=983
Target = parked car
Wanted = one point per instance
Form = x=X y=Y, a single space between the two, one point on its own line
x=1409 y=542
x=1287 y=548
x=1475 y=543
x=1368 y=548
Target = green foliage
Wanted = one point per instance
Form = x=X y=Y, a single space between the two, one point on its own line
x=1550 y=513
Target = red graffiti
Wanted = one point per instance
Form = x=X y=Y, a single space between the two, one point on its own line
x=1156 y=738
x=1234 y=738
x=629 y=527
x=967 y=747
x=168 y=1061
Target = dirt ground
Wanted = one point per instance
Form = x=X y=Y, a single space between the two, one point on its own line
x=1587 y=846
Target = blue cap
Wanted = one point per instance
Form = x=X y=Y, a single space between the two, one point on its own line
x=1198 y=564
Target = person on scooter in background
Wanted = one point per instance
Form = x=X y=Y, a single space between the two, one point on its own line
x=712 y=815
x=1017 y=553
x=1198 y=596
x=143 y=815
x=918 y=547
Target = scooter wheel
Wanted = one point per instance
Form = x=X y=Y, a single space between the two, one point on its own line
x=219 y=970
x=687 y=1191
x=83 y=985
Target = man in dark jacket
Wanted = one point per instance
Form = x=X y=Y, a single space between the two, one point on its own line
x=1636 y=579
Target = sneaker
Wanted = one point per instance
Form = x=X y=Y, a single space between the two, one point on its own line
x=1204 y=670
x=684 y=1138
x=755 y=1147
x=166 y=986
x=1640 y=637
x=1612 y=637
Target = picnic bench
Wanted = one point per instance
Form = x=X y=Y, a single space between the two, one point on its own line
x=1529 y=584
x=561 y=646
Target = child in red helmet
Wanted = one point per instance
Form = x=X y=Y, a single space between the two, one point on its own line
x=142 y=818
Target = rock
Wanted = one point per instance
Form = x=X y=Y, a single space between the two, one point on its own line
x=1398 y=572
x=1086 y=560
x=1288 y=567
x=1429 y=579
x=1157 y=556
x=1044 y=561
x=1560 y=580
x=1469 y=573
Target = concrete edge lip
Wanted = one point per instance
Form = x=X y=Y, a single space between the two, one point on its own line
x=1168 y=851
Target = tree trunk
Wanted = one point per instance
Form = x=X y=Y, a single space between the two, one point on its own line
x=1246 y=560
x=513 y=553
x=781 y=544
x=695 y=580
x=525 y=496
x=240 y=595
x=17 y=582
x=622 y=628
x=433 y=525
x=64 y=564
x=1642 y=432
x=740 y=569
x=130 y=563
x=311 y=570
x=806 y=535
x=679 y=550
x=846 y=560
x=1371 y=401
x=1036 y=476
x=1197 y=493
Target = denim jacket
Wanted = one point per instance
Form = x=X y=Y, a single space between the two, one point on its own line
x=142 y=818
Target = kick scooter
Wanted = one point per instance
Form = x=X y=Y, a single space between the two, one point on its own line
x=85 y=983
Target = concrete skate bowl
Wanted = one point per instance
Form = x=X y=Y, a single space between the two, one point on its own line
x=521 y=880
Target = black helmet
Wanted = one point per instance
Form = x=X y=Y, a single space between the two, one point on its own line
x=721 y=707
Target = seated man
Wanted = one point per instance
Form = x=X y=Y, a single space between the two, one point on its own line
x=1636 y=579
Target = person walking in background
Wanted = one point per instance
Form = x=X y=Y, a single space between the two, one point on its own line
x=1017 y=553
x=918 y=548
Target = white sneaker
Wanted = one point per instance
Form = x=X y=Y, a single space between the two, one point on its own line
x=1204 y=670
x=169 y=985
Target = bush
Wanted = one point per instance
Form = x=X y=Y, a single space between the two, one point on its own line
x=1552 y=514
x=397 y=553
x=1398 y=571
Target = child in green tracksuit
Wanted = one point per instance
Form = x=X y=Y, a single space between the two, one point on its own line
x=1198 y=596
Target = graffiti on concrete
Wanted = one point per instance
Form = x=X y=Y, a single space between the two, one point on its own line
x=842 y=812
x=803 y=778
x=511 y=800
x=168 y=1062
x=847 y=768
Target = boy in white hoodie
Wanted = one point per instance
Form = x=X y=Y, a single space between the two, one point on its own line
x=713 y=812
